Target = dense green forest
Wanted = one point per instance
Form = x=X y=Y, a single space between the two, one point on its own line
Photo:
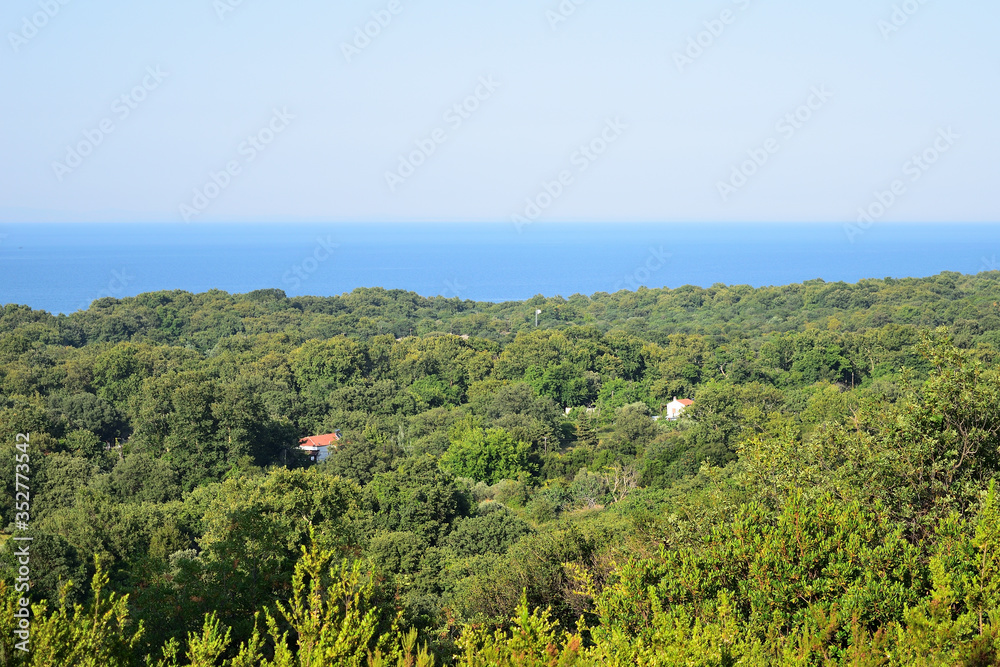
x=502 y=494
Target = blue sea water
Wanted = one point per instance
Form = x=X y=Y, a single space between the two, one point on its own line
x=62 y=268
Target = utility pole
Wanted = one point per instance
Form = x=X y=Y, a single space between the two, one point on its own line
x=537 y=313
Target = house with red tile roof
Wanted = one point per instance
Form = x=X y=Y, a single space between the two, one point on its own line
x=676 y=407
x=318 y=447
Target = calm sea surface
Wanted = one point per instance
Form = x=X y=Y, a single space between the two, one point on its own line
x=62 y=268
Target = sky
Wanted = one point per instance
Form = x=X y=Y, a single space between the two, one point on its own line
x=199 y=111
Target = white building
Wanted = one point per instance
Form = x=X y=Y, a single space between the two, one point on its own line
x=676 y=407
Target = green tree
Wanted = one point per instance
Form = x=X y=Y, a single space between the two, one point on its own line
x=493 y=532
x=95 y=635
x=486 y=455
x=255 y=527
x=417 y=497
x=141 y=478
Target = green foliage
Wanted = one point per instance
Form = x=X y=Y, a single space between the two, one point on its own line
x=493 y=532
x=256 y=526
x=487 y=455
x=359 y=460
x=141 y=478
x=418 y=497
x=327 y=364
x=399 y=552
x=828 y=499
x=332 y=612
x=333 y=617
x=54 y=562
x=95 y=635
x=566 y=383
x=533 y=640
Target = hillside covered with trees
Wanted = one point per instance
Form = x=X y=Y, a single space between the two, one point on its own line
x=503 y=494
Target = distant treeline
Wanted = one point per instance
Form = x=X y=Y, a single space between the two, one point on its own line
x=970 y=303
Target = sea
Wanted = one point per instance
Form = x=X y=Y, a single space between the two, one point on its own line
x=62 y=268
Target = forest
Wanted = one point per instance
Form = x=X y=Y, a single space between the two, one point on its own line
x=506 y=493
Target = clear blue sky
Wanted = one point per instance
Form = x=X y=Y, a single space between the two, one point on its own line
x=682 y=126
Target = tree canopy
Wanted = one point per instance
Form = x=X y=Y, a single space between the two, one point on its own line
x=506 y=494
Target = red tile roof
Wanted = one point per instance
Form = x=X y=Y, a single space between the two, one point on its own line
x=320 y=440
x=686 y=401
